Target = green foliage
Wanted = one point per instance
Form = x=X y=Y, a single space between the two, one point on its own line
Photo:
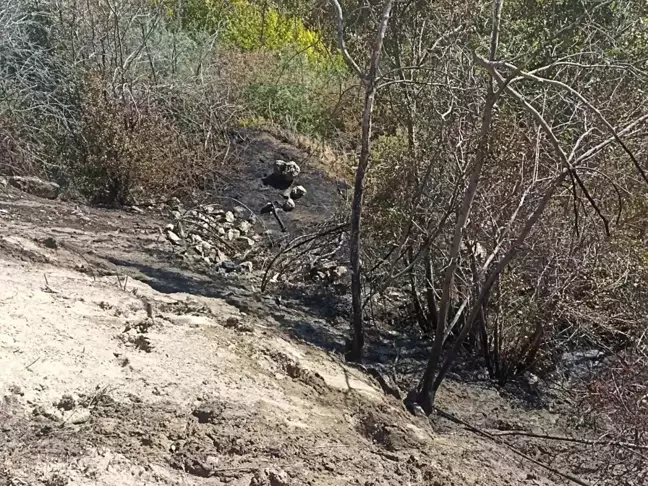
x=550 y=28
x=252 y=26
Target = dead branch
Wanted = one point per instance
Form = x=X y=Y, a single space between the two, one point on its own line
x=562 y=438
x=494 y=438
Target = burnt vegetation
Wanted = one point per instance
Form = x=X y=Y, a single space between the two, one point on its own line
x=490 y=158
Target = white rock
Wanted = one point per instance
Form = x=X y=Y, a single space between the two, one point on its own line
x=297 y=192
x=173 y=238
x=80 y=416
x=244 y=227
x=288 y=205
x=233 y=234
x=246 y=266
x=286 y=170
x=229 y=217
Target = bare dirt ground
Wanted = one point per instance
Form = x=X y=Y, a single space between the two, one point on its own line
x=173 y=377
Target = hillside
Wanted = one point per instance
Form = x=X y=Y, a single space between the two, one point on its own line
x=213 y=388
x=270 y=242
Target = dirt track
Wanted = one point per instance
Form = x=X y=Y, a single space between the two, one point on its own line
x=95 y=391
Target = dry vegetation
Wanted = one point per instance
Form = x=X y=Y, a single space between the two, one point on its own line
x=502 y=154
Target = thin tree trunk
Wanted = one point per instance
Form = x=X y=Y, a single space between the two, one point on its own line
x=433 y=312
x=421 y=318
x=357 y=343
x=427 y=390
x=369 y=80
x=490 y=281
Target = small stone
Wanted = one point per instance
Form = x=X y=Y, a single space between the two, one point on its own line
x=246 y=266
x=173 y=238
x=277 y=477
x=244 y=227
x=288 y=205
x=176 y=215
x=221 y=231
x=80 y=416
x=232 y=234
x=3 y=182
x=196 y=239
x=169 y=227
x=232 y=321
x=229 y=217
x=297 y=192
x=240 y=212
x=338 y=272
x=418 y=411
x=136 y=209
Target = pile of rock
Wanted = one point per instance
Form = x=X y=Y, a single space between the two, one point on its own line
x=214 y=236
x=287 y=172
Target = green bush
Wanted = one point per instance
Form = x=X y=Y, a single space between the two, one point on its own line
x=245 y=25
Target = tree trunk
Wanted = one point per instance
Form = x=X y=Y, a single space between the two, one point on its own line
x=421 y=318
x=429 y=385
x=354 y=353
x=429 y=291
x=357 y=343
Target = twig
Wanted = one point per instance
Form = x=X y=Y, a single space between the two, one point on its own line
x=276 y=215
x=33 y=363
x=492 y=437
x=47 y=287
x=571 y=439
x=296 y=243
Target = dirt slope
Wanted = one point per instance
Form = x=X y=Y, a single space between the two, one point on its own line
x=171 y=377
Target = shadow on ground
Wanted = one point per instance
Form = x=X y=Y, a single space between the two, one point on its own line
x=316 y=317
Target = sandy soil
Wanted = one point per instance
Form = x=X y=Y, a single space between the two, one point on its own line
x=175 y=377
